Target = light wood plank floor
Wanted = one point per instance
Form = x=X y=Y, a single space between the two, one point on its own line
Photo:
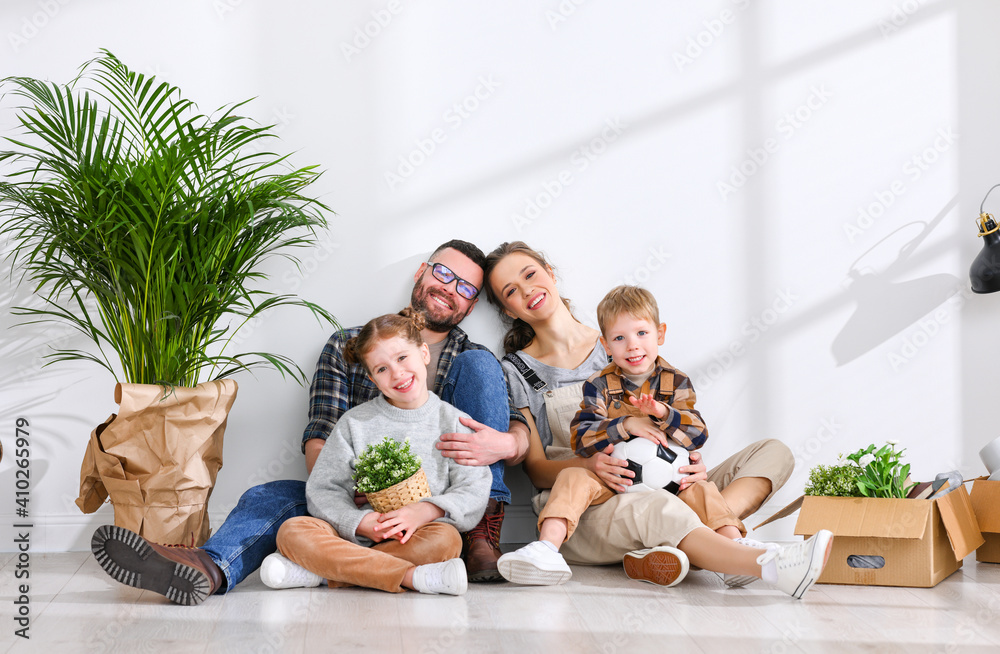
x=77 y=608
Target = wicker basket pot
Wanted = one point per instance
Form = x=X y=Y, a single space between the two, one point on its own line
x=410 y=490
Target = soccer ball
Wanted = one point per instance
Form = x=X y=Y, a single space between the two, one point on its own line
x=654 y=465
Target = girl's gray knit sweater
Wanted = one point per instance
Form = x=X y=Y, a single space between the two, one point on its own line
x=461 y=491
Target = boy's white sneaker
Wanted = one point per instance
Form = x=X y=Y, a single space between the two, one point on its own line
x=663 y=565
x=795 y=568
x=739 y=581
x=535 y=564
x=447 y=578
x=278 y=572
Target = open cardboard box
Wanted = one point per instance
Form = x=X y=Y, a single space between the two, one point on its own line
x=986 y=503
x=920 y=542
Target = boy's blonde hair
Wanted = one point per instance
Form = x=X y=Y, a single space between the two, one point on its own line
x=636 y=302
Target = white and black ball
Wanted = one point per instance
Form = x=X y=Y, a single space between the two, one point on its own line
x=654 y=465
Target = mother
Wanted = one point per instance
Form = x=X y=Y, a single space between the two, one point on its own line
x=563 y=353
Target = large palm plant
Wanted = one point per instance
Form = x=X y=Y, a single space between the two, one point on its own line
x=143 y=223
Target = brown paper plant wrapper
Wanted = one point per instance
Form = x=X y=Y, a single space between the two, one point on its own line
x=410 y=490
x=157 y=459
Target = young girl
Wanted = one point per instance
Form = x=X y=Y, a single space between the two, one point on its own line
x=654 y=534
x=417 y=546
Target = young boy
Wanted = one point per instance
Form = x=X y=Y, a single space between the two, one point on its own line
x=637 y=395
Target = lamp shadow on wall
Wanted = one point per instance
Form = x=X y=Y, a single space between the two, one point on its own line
x=873 y=292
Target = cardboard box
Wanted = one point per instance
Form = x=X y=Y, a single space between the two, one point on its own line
x=986 y=503
x=920 y=542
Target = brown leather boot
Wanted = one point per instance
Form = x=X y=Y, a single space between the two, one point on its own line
x=481 y=545
x=185 y=575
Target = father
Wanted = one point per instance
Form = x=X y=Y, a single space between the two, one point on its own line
x=461 y=372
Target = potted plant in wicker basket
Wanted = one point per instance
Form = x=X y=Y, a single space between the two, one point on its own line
x=143 y=224
x=390 y=475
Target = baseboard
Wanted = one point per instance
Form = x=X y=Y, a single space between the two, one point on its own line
x=72 y=532
x=65 y=532
x=518 y=524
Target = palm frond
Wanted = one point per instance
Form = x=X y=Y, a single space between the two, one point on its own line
x=144 y=224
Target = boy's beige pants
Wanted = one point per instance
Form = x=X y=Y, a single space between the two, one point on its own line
x=630 y=521
x=315 y=545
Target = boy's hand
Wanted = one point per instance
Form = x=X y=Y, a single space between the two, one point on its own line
x=696 y=471
x=613 y=472
x=401 y=523
x=367 y=526
x=648 y=405
x=644 y=428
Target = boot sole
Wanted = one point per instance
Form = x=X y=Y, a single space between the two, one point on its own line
x=485 y=576
x=663 y=568
x=129 y=560
x=522 y=572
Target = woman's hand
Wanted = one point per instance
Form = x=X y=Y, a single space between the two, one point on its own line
x=401 y=523
x=366 y=527
x=648 y=405
x=696 y=471
x=613 y=472
x=644 y=428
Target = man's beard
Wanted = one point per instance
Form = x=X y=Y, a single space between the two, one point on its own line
x=420 y=301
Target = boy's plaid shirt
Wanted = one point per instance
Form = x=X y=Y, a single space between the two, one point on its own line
x=338 y=386
x=596 y=425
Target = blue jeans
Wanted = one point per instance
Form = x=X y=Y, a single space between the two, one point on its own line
x=248 y=535
x=475 y=384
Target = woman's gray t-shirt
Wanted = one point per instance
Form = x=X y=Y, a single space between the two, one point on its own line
x=523 y=395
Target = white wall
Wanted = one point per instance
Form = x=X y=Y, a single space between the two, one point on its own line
x=862 y=336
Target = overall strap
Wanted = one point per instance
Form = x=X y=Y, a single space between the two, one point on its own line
x=529 y=375
x=615 y=391
x=666 y=389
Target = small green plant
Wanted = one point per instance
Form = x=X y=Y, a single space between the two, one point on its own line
x=384 y=464
x=882 y=474
x=836 y=480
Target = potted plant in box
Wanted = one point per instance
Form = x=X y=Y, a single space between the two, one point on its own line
x=390 y=475
x=143 y=224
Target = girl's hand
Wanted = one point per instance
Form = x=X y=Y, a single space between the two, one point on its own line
x=696 y=471
x=367 y=527
x=401 y=523
x=648 y=405
x=613 y=472
x=644 y=428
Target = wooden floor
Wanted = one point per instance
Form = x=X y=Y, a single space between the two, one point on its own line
x=75 y=607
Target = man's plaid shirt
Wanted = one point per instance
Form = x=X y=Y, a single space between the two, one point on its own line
x=338 y=386
x=597 y=425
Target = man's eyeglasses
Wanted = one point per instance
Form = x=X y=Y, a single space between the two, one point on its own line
x=443 y=274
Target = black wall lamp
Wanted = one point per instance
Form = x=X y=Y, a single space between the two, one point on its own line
x=985 y=271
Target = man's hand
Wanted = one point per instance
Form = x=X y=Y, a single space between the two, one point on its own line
x=360 y=499
x=401 y=523
x=610 y=469
x=367 y=527
x=696 y=471
x=644 y=428
x=648 y=405
x=482 y=448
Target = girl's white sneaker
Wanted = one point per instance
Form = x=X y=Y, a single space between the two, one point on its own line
x=278 y=572
x=447 y=578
